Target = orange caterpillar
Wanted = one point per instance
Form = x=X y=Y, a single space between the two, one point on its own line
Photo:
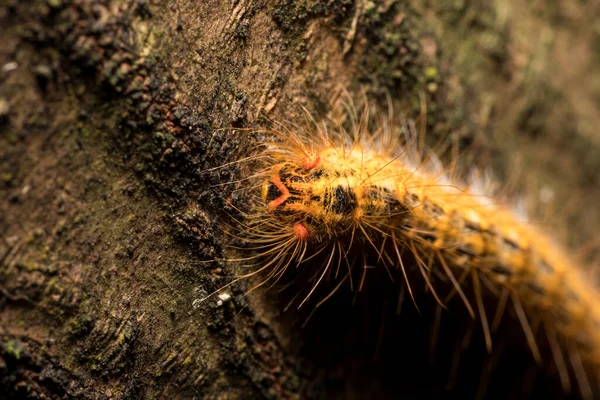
x=342 y=192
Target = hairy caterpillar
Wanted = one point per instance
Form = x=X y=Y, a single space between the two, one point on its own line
x=337 y=201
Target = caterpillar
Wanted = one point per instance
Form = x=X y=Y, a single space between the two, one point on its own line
x=337 y=199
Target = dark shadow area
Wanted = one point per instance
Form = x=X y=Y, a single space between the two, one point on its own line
x=358 y=346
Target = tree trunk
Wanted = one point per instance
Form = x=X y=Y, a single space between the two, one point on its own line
x=109 y=123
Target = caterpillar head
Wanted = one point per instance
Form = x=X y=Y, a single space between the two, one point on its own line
x=313 y=203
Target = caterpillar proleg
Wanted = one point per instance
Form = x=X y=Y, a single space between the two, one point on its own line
x=330 y=196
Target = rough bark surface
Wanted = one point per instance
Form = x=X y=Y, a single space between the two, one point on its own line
x=109 y=118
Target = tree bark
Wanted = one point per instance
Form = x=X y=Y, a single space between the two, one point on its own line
x=109 y=125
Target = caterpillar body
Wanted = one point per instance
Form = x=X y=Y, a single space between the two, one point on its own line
x=359 y=189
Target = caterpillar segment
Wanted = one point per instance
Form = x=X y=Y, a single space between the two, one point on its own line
x=322 y=196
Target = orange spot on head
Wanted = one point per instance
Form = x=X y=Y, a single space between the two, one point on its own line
x=273 y=204
x=311 y=162
x=301 y=232
x=285 y=193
